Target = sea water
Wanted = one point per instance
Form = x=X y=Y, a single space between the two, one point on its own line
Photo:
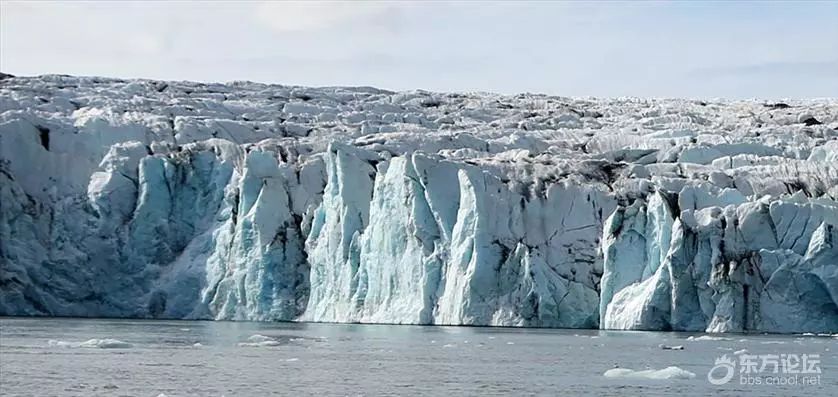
x=102 y=357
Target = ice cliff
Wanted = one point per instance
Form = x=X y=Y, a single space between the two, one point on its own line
x=247 y=201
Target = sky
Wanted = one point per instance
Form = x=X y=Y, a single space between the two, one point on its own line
x=700 y=49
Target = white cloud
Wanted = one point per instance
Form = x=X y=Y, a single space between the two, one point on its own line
x=291 y=16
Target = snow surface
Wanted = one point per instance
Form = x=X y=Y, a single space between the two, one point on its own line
x=247 y=201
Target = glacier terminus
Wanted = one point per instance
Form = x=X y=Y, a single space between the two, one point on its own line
x=249 y=201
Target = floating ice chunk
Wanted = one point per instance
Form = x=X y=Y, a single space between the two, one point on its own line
x=61 y=343
x=267 y=343
x=666 y=373
x=197 y=344
x=93 y=343
x=106 y=344
x=706 y=338
x=259 y=338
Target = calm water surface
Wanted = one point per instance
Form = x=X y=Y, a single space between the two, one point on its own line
x=42 y=357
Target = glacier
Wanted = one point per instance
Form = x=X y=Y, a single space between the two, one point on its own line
x=249 y=201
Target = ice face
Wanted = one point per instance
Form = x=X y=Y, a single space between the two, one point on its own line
x=417 y=245
x=247 y=201
x=757 y=266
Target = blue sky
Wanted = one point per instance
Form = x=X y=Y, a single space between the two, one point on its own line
x=664 y=49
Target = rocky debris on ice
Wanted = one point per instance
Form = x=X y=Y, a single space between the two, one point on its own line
x=248 y=201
